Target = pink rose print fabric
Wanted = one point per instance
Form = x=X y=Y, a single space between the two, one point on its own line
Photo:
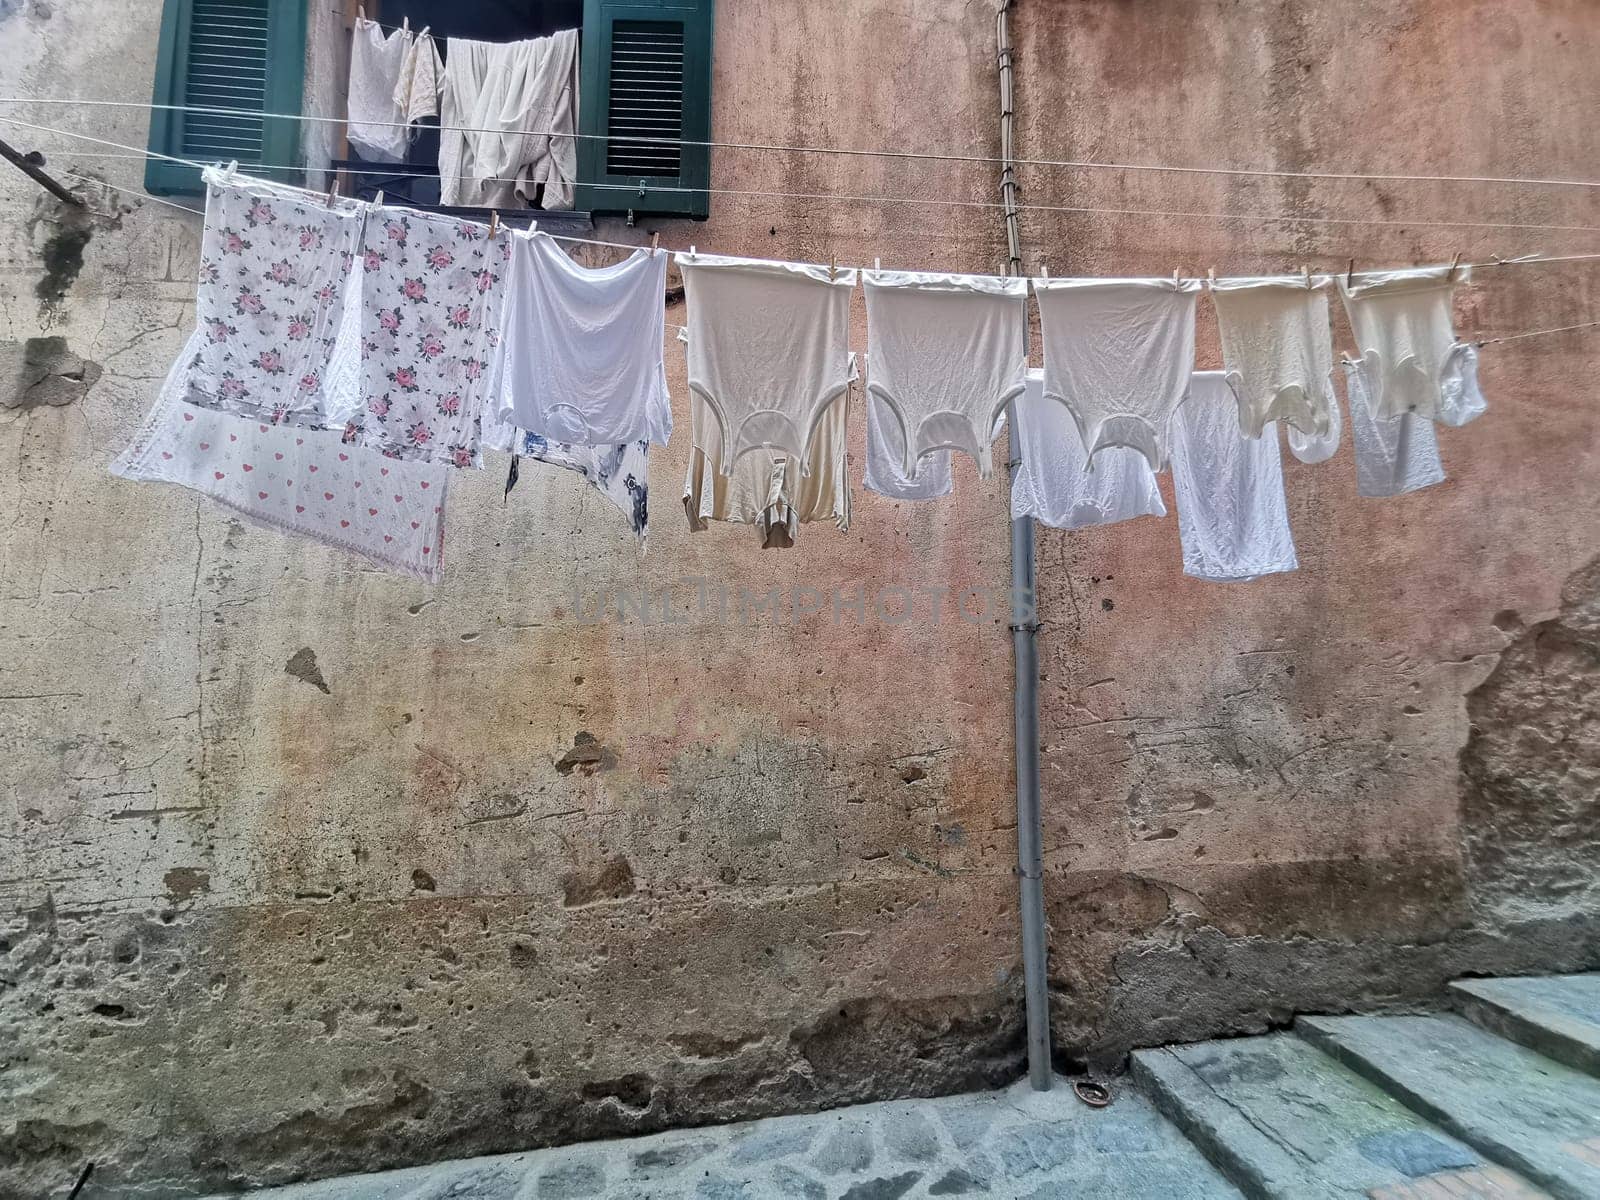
x=430 y=285
x=273 y=265
x=305 y=481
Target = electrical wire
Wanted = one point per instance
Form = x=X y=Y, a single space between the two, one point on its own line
x=836 y=197
x=911 y=155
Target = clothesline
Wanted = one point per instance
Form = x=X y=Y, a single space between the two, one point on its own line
x=834 y=197
x=676 y=328
x=1497 y=261
x=778 y=148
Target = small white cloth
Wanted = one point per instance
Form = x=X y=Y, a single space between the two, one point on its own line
x=583 y=351
x=1460 y=399
x=1277 y=348
x=1313 y=448
x=508 y=116
x=947 y=354
x=1053 y=483
x=769 y=352
x=1394 y=455
x=416 y=92
x=1404 y=319
x=1232 y=517
x=377 y=122
x=1118 y=353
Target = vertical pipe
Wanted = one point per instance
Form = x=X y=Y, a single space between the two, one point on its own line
x=1024 y=649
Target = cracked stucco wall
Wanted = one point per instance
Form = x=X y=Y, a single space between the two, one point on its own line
x=1336 y=788
x=306 y=869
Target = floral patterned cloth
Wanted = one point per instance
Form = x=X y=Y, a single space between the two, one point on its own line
x=431 y=288
x=273 y=266
x=306 y=481
x=620 y=473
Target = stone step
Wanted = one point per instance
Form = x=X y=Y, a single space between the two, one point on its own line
x=1557 y=1015
x=1284 y=1121
x=1511 y=1104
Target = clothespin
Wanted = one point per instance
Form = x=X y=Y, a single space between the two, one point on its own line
x=1177 y=280
x=333 y=192
x=1454 y=263
x=494 y=223
x=1306 y=271
x=231 y=169
x=1211 y=277
x=692 y=253
x=1350 y=276
x=361 y=12
x=378 y=201
x=833 y=267
x=655 y=243
x=1044 y=271
x=405 y=24
x=877 y=264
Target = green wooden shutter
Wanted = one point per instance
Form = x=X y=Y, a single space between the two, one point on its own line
x=242 y=54
x=646 y=75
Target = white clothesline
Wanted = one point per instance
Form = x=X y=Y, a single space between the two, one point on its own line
x=778 y=148
x=833 y=197
x=676 y=328
x=1497 y=260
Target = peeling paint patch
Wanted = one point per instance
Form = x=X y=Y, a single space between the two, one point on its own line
x=614 y=881
x=587 y=755
x=185 y=883
x=303 y=666
x=63 y=261
x=43 y=372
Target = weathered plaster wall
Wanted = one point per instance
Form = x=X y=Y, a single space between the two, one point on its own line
x=305 y=868
x=1341 y=786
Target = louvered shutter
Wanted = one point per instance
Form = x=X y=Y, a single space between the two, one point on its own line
x=645 y=90
x=233 y=54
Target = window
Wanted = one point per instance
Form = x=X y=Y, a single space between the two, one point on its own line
x=644 y=90
x=647 y=63
x=233 y=54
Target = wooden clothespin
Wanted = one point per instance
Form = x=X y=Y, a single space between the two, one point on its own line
x=361 y=12
x=1306 y=272
x=1211 y=277
x=494 y=223
x=655 y=243
x=833 y=267
x=231 y=169
x=1350 y=276
x=1044 y=271
x=333 y=192
x=1177 y=277
x=1454 y=263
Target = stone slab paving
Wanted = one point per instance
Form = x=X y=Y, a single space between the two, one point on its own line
x=1016 y=1143
x=1557 y=1015
x=1514 y=1106
x=1293 y=1124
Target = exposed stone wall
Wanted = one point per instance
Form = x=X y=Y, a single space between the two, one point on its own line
x=305 y=868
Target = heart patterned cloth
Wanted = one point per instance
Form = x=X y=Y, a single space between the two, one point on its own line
x=304 y=481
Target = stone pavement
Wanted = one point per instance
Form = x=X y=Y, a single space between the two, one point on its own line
x=1500 y=1102
x=1010 y=1143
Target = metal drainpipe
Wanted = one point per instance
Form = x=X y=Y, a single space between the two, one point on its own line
x=1024 y=648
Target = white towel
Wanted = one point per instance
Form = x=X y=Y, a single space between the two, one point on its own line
x=1394 y=455
x=1053 y=482
x=1232 y=518
x=508 y=113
